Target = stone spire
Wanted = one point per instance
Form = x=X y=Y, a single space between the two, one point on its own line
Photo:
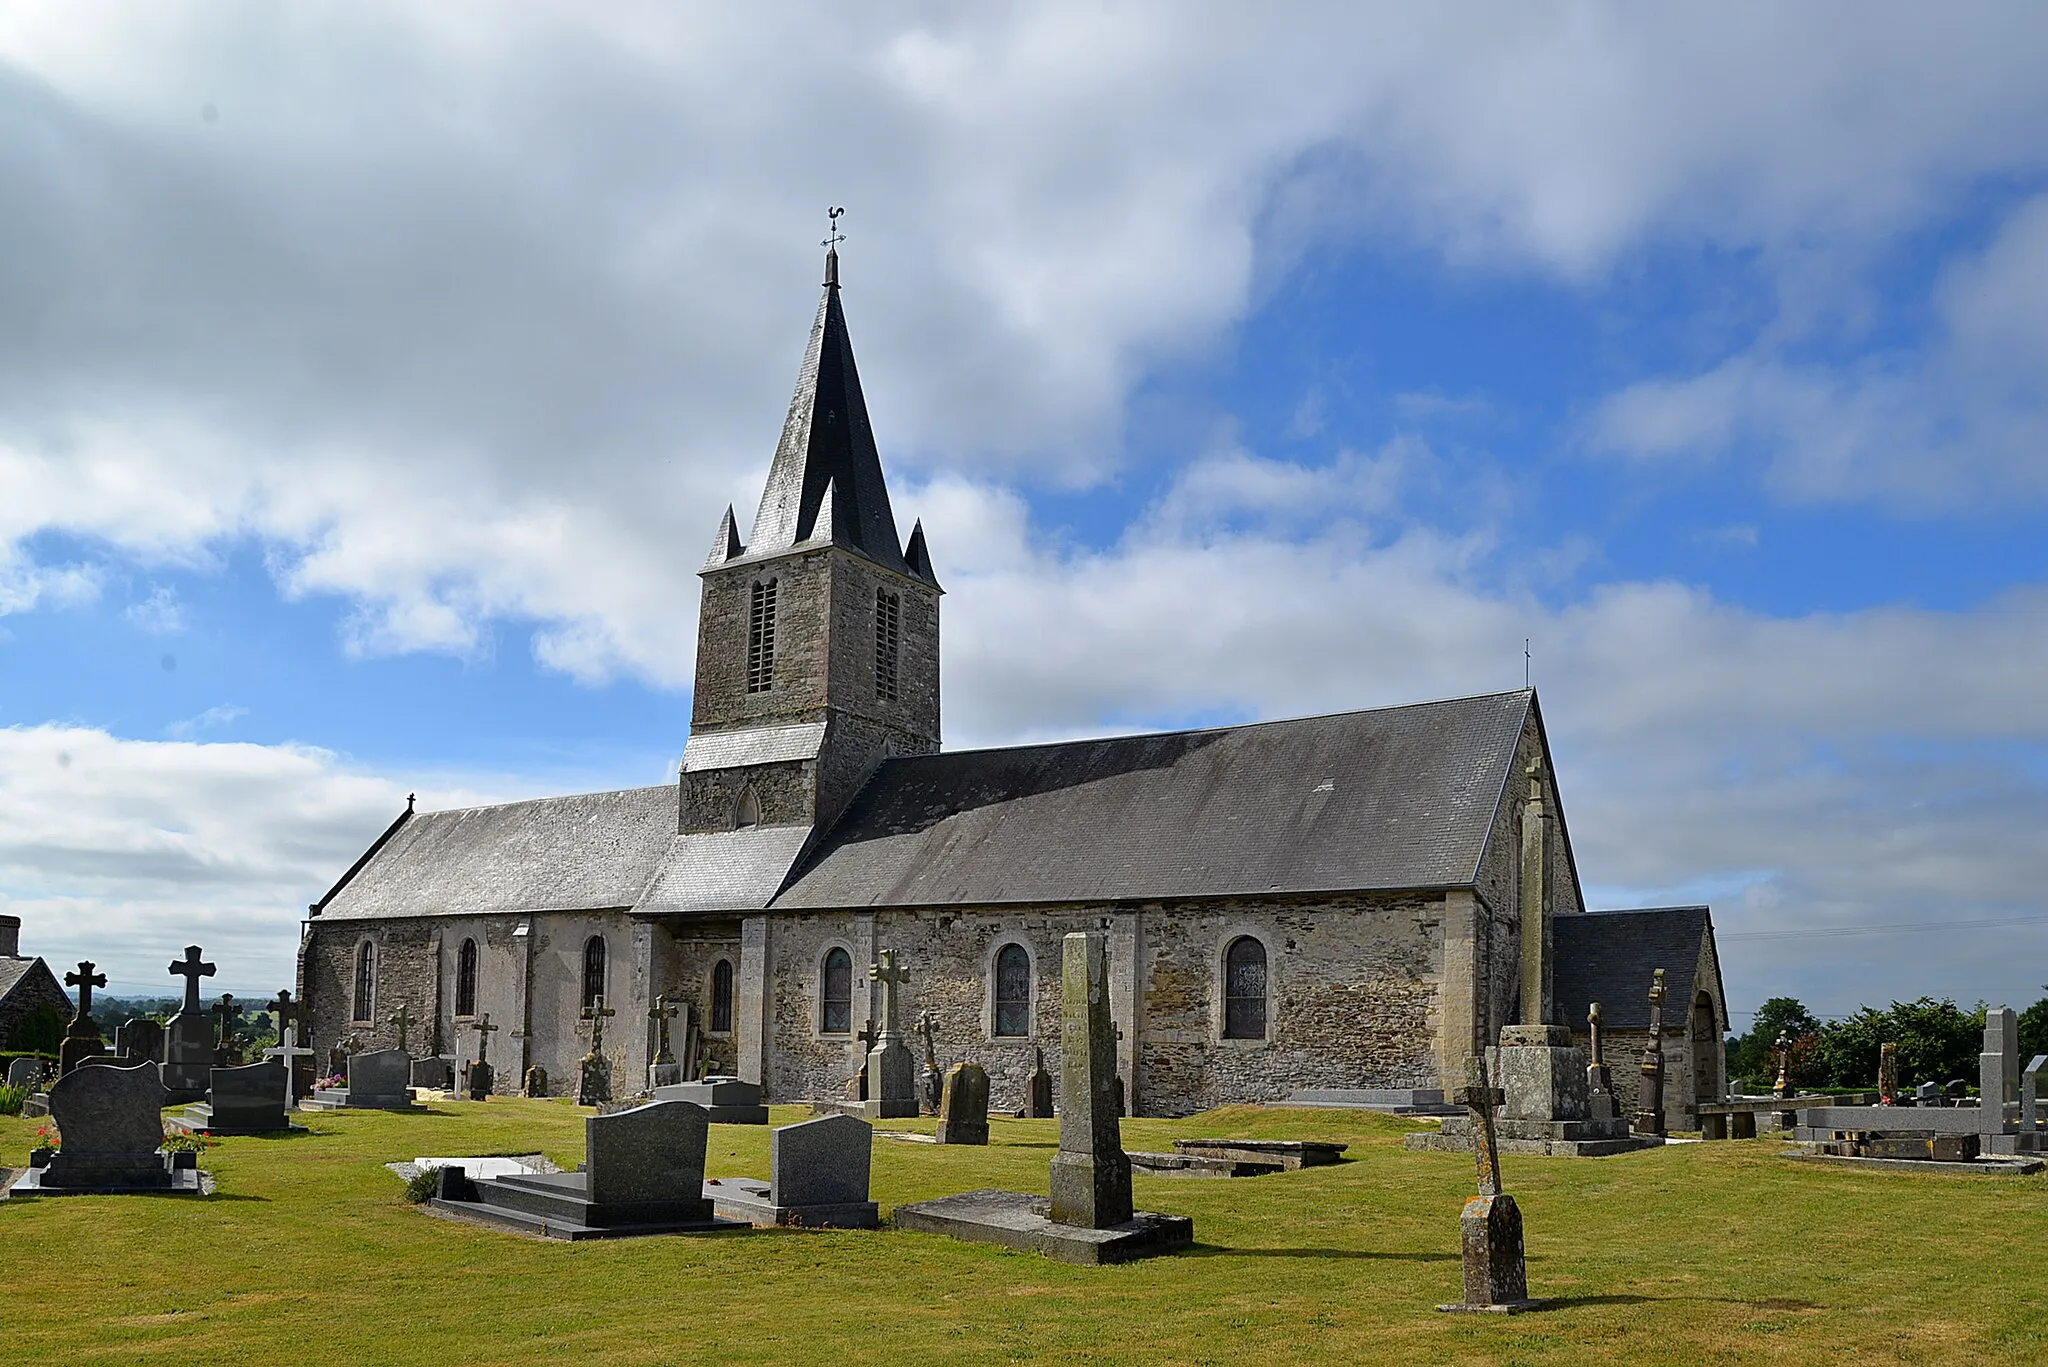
x=825 y=485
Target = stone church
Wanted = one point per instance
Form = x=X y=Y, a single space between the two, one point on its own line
x=1332 y=902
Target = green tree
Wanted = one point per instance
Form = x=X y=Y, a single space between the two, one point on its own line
x=1755 y=1055
x=39 y=1031
x=1937 y=1041
x=2034 y=1030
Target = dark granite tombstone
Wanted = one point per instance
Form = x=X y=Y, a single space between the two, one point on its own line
x=109 y=1118
x=818 y=1178
x=188 y=1039
x=249 y=1099
x=643 y=1174
x=380 y=1080
x=1038 y=1088
x=963 y=1105
x=25 y=1072
x=140 y=1040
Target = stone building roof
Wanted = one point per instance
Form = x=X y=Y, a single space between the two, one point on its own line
x=25 y=982
x=12 y=972
x=1610 y=957
x=1397 y=797
x=554 y=854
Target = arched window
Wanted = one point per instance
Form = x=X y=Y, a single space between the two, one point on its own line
x=748 y=812
x=761 y=638
x=1013 y=991
x=366 y=982
x=888 y=633
x=721 y=996
x=465 y=979
x=1244 y=989
x=837 y=1016
x=593 y=970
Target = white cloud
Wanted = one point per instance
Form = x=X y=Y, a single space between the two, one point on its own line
x=160 y=614
x=226 y=714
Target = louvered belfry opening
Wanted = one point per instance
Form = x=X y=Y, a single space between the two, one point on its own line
x=761 y=638
x=888 y=636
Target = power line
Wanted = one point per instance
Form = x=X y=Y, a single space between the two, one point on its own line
x=1903 y=928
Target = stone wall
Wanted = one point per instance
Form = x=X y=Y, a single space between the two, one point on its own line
x=1499 y=884
x=1353 y=995
x=408 y=970
x=38 y=987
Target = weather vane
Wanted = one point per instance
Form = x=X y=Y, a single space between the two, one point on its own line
x=834 y=236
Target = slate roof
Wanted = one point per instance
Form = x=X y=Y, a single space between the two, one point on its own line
x=555 y=854
x=724 y=870
x=12 y=971
x=17 y=975
x=826 y=469
x=1610 y=956
x=1398 y=797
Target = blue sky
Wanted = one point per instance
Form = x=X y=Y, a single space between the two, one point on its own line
x=375 y=382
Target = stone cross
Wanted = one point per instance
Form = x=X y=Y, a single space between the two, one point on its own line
x=890 y=977
x=867 y=1037
x=1650 y=1111
x=230 y=1013
x=483 y=1027
x=661 y=1013
x=85 y=980
x=1599 y=1081
x=1480 y=1098
x=191 y=970
x=1887 y=1073
x=1784 y=1048
x=926 y=1029
x=288 y=1050
x=597 y=1013
x=1536 y=928
x=402 y=1020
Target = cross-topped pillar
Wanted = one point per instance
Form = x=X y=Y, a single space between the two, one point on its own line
x=401 y=1020
x=664 y=1071
x=1650 y=1110
x=481 y=1080
x=1496 y=1275
x=594 y=1076
x=191 y=969
x=229 y=1012
x=892 y=1070
x=1535 y=902
x=85 y=980
x=890 y=977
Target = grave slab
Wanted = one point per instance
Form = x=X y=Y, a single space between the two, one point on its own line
x=726 y=1100
x=1015 y=1220
x=1291 y=1154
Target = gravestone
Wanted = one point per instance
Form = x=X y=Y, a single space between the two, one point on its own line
x=1599 y=1080
x=930 y=1082
x=818 y=1178
x=725 y=1100
x=1490 y=1228
x=643 y=1173
x=1998 y=1067
x=140 y=1040
x=82 y=1040
x=594 y=1073
x=963 y=1105
x=536 y=1081
x=2030 y=1099
x=227 y=1051
x=1090 y=1218
x=25 y=1072
x=665 y=1071
x=480 y=1080
x=1038 y=1088
x=892 y=1071
x=296 y=1060
x=379 y=1080
x=249 y=1099
x=109 y=1118
x=1887 y=1073
x=188 y=1039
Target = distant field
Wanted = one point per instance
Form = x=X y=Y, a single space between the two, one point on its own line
x=1692 y=1253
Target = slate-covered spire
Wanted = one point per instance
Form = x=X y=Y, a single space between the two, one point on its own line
x=827 y=445
x=725 y=544
x=917 y=557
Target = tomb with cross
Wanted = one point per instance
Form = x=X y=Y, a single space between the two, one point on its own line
x=1650 y=1098
x=401 y=1021
x=82 y=1041
x=227 y=1051
x=931 y=1082
x=288 y=1049
x=188 y=1038
x=892 y=1068
x=594 y=1075
x=1496 y=1275
x=664 y=1071
x=479 y=1080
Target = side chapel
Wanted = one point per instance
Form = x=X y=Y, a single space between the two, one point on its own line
x=1332 y=902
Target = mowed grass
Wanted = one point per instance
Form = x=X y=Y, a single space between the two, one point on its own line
x=1691 y=1253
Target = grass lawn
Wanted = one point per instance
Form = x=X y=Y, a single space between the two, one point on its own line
x=1691 y=1253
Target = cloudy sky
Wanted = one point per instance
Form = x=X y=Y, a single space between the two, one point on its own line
x=372 y=378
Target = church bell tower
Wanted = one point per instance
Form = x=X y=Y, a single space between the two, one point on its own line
x=818 y=638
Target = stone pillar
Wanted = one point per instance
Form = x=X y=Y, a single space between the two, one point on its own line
x=1535 y=902
x=1998 y=1067
x=753 y=1023
x=1461 y=1009
x=1126 y=1003
x=1091 y=1177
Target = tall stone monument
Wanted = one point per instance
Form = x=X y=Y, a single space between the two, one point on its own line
x=1089 y=1219
x=189 y=1036
x=665 y=1071
x=481 y=1080
x=931 y=1082
x=963 y=1105
x=1599 y=1080
x=1650 y=1097
x=1038 y=1088
x=892 y=1069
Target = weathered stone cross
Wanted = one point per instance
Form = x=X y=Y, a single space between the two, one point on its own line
x=928 y=1029
x=483 y=1027
x=1650 y=1108
x=85 y=980
x=230 y=1013
x=1480 y=1098
x=596 y=1013
x=401 y=1018
x=890 y=977
x=661 y=1013
x=1784 y=1048
x=867 y=1037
